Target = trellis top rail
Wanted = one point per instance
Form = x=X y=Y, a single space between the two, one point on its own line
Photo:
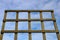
x=29 y=10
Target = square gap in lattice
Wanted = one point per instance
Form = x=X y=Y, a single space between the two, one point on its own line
x=46 y=15
x=22 y=36
x=37 y=36
x=9 y=26
x=49 y=25
x=11 y=15
x=35 y=15
x=23 y=15
x=23 y=25
x=51 y=36
x=35 y=25
x=8 y=36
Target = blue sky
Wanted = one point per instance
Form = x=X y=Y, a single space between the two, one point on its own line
x=30 y=5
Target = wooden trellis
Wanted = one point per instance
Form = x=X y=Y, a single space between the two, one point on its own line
x=29 y=31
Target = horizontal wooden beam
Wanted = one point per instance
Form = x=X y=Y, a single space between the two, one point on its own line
x=28 y=10
x=30 y=20
x=28 y=31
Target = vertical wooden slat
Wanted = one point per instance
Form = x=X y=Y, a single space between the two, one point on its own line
x=3 y=25
x=44 y=36
x=16 y=26
x=2 y=30
x=56 y=29
x=30 y=36
x=55 y=25
x=52 y=13
x=29 y=25
x=0 y=37
x=42 y=25
x=5 y=15
x=0 y=34
x=58 y=36
x=16 y=21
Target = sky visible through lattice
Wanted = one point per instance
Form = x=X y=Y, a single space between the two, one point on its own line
x=29 y=5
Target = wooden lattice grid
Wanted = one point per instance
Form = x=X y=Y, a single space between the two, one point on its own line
x=29 y=24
